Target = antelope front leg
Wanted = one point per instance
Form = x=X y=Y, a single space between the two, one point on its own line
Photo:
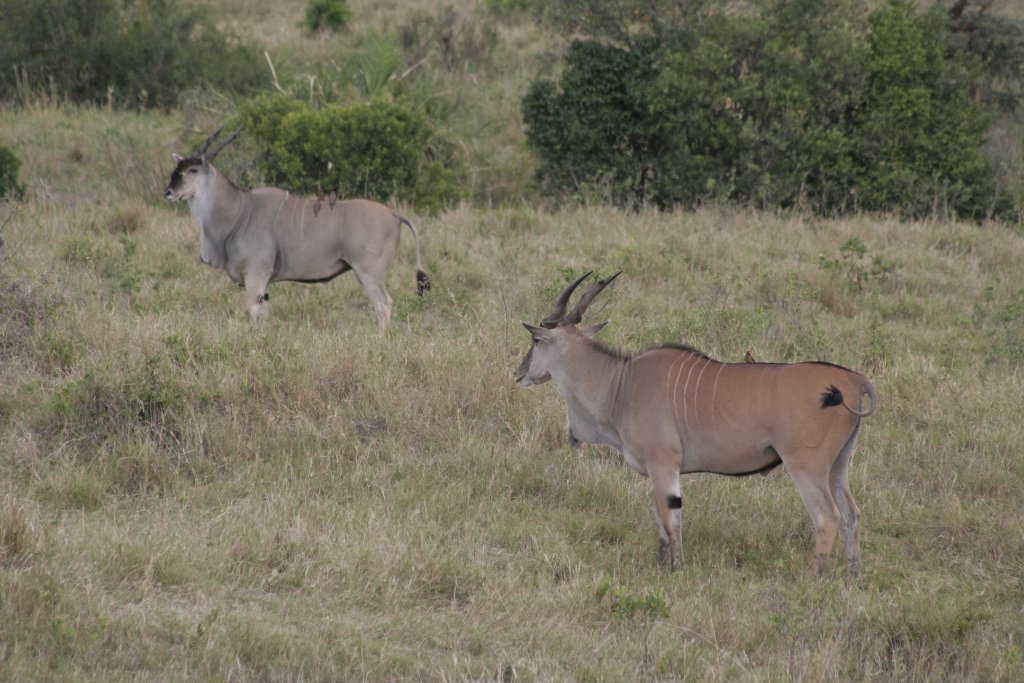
x=256 y=295
x=668 y=510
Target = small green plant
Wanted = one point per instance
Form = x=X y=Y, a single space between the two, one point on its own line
x=378 y=63
x=79 y=250
x=854 y=265
x=1011 y=324
x=644 y=609
x=648 y=607
x=327 y=15
x=9 y=165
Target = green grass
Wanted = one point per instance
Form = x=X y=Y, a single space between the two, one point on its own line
x=185 y=495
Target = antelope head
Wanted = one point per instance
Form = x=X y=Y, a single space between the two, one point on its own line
x=554 y=338
x=192 y=171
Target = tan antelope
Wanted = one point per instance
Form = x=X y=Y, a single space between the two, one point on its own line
x=268 y=235
x=672 y=410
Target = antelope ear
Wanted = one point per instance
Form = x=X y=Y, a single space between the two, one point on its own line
x=540 y=332
x=589 y=332
x=177 y=158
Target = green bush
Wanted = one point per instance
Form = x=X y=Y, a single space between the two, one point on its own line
x=331 y=15
x=136 y=53
x=376 y=151
x=918 y=130
x=595 y=128
x=798 y=103
x=9 y=165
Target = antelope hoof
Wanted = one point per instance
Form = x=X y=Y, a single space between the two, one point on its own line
x=668 y=555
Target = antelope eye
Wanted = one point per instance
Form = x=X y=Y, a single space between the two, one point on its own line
x=536 y=340
x=193 y=170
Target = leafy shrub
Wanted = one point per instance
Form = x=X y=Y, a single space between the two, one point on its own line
x=854 y=265
x=375 y=151
x=918 y=129
x=799 y=103
x=9 y=165
x=131 y=52
x=331 y=15
x=596 y=127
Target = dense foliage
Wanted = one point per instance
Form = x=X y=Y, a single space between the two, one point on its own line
x=805 y=103
x=599 y=128
x=330 y=15
x=998 y=41
x=377 y=150
x=135 y=53
x=917 y=135
x=10 y=188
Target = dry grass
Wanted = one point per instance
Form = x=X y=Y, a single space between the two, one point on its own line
x=187 y=496
x=190 y=496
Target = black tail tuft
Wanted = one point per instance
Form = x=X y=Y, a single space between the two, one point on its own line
x=422 y=282
x=832 y=397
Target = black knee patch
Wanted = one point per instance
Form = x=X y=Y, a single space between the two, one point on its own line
x=675 y=503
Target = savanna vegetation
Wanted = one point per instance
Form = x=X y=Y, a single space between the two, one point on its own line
x=187 y=495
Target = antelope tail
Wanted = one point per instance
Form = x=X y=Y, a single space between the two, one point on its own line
x=422 y=281
x=865 y=388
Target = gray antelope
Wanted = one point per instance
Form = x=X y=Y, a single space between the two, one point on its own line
x=268 y=235
x=672 y=410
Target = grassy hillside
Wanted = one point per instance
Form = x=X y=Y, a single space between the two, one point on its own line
x=186 y=495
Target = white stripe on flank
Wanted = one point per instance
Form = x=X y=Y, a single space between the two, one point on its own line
x=277 y=219
x=714 y=391
x=668 y=375
x=675 y=391
x=696 y=391
x=686 y=417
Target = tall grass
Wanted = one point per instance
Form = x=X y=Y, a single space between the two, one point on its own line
x=186 y=495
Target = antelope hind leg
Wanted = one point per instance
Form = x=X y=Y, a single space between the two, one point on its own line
x=813 y=487
x=379 y=297
x=839 y=482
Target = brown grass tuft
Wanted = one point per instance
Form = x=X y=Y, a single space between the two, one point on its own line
x=128 y=219
x=16 y=532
